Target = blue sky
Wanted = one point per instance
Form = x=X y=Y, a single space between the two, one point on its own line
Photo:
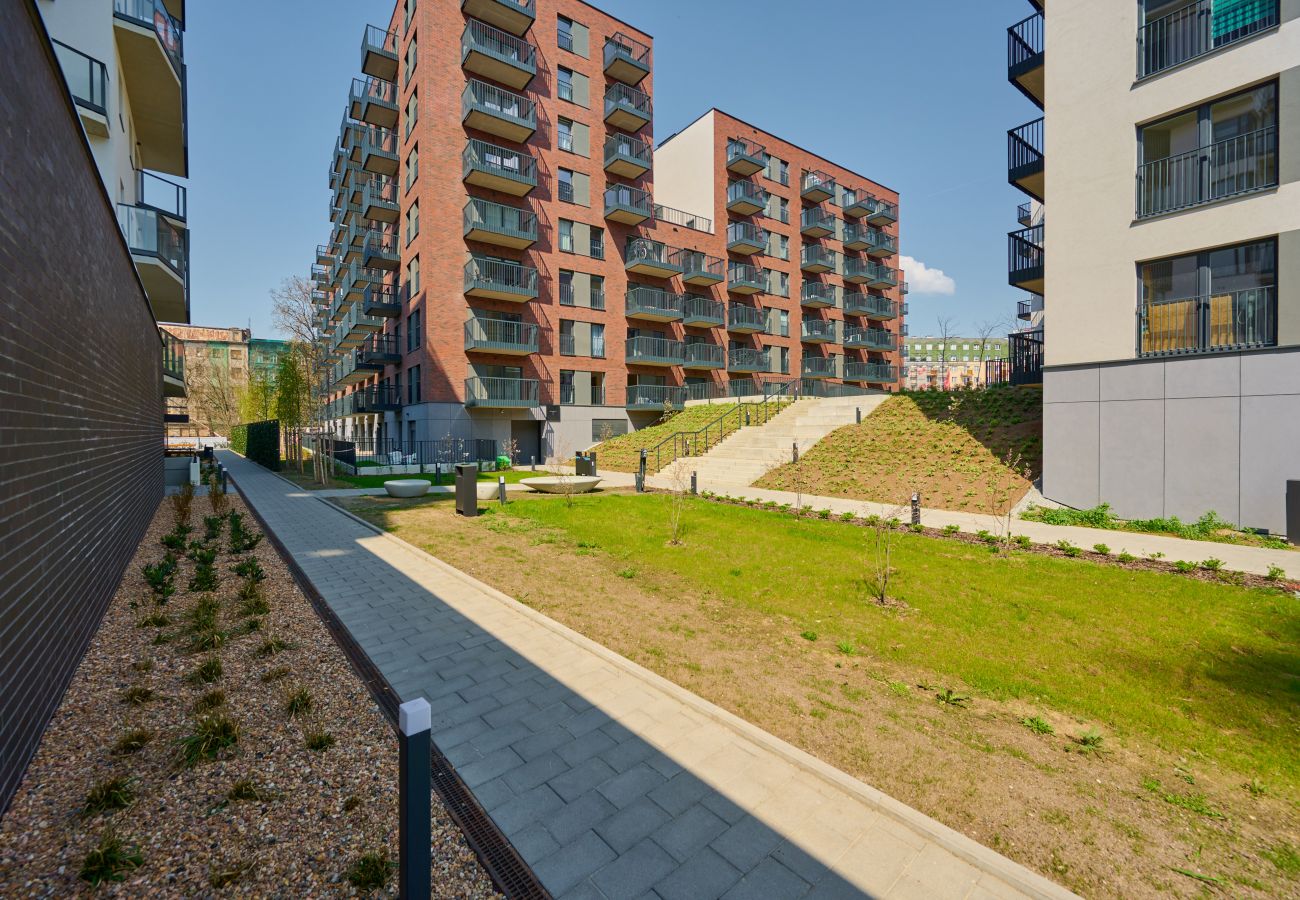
x=268 y=82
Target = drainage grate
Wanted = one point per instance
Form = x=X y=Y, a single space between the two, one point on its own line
x=509 y=873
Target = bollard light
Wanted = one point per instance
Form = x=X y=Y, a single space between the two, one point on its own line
x=858 y=410
x=794 y=452
x=694 y=483
x=916 y=508
x=414 y=828
x=501 y=489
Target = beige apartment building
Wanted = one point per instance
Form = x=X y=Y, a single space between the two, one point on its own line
x=1171 y=284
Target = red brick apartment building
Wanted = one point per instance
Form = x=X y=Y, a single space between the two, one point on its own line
x=511 y=256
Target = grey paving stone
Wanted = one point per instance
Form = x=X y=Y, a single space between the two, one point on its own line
x=571 y=864
x=463 y=754
x=799 y=861
x=724 y=807
x=492 y=794
x=483 y=688
x=537 y=743
x=768 y=881
x=534 y=842
x=689 y=832
x=459 y=734
x=496 y=738
x=664 y=764
x=630 y=751
x=509 y=713
x=704 y=876
x=635 y=782
x=680 y=792
x=630 y=825
x=634 y=872
x=746 y=842
x=578 y=815
x=539 y=771
x=586 y=721
x=489 y=767
x=585 y=776
x=548 y=715
x=590 y=745
x=527 y=808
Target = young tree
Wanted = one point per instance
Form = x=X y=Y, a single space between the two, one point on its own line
x=214 y=397
x=294 y=314
x=293 y=398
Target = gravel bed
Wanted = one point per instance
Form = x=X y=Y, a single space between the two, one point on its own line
x=314 y=813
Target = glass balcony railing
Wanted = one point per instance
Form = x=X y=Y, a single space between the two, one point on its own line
x=173 y=356
x=655 y=396
x=149 y=233
x=505 y=393
x=153 y=14
x=87 y=78
x=500 y=336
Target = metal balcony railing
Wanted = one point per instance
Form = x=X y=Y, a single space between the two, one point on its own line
x=869 y=338
x=161 y=194
x=740 y=315
x=173 y=355
x=1025 y=254
x=1025 y=147
x=1024 y=43
x=747 y=359
x=498 y=218
x=626 y=147
x=568 y=345
x=502 y=275
x=620 y=46
x=870 y=371
x=482 y=156
x=817 y=293
x=684 y=219
x=487 y=98
x=655 y=396
x=644 y=250
x=517 y=393
x=1025 y=214
x=746 y=233
x=817 y=256
x=817 y=184
x=631 y=199
x=746 y=192
x=149 y=233
x=621 y=96
x=818 y=367
x=746 y=151
x=87 y=77
x=1240 y=165
x=643 y=300
x=702 y=354
x=498 y=44
x=645 y=348
x=1198 y=28
x=817 y=330
x=1211 y=323
x=697 y=266
x=817 y=219
x=744 y=275
x=856 y=304
x=485 y=333
x=153 y=14
x=703 y=311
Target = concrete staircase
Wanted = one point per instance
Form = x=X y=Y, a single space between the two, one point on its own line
x=747 y=454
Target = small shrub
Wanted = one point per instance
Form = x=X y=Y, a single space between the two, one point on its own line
x=210 y=701
x=1275 y=573
x=1256 y=787
x=212 y=526
x=916 y=528
x=986 y=536
x=275 y=674
x=900 y=689
x=110 y=860
x=201 y=555
x=823 y=513
x=207 y=672
x=132 y=741
x=626 y=573
x=203 y=614
x=251 y=569
x=137 y=695
x=205 y=578
x=949 y=697
x=298 y=703
x=210 y=736
x=1038 y=725
x=950 y=530
x=1067 y=548
x=207 y=640
x=182 y=501
x=1023 y=541
x=159 y=575
x=251 y=626
x=319 y=740
x=110 y=794
x=808 y=635
x=157 y=620
x=1102 y=549
x=1090 y=741
x=247 y=790
x=1156 y=555
x=1125 y=557
x=1183 y=566
x=272 y=646
x=370 y=872
x=847 y=516
x=1212 y=564
x=174 y=541
x=846 y=648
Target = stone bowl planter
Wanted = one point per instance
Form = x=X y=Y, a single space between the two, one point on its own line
x=407 y=487
x=577 y=484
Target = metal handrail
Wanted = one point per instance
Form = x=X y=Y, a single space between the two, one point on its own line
x=1025 y=144
x=684 y=219
x=1196 y=29
x=490 y=98
x=1209 y=323
x=501 y=44
x=513 y=164
x=1228 y=168
x=700 y=441
x=621 y=94
x=88 y=85
x=1025 y=40
x=623 y=45
x=737 y=147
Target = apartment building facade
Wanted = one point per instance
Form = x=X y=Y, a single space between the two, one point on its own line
x=586 y=290
x=1172 y=367
x=943 y=364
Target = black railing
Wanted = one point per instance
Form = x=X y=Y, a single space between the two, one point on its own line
x=149 y=233
x=737 y=416
x=1025 y=253
x=684 y=219
x=364 y=453
x=1026 y=352
x=173 y=355
x=1239 y=165
x=161 y=194
x=86 y=76
x=1025 y=214
x=1025 y=41
x=1025 y=146
x=1198 y=28
x=1225 y=321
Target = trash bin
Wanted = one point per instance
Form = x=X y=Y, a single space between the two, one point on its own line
x=584 y=465
x=1293 y=512
x=467 y=489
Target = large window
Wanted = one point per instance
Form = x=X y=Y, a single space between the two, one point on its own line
x=1218 y=150
x=1172 y=32
x=564 y=134
x=1217 y=300
x=566 y=236
x=564 y=83
x=564 y=32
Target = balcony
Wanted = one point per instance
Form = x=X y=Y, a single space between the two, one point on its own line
x=698 y=268
x=378 y=150
x=151 y=56
x=626 y=59
x=375 y=399
x=654 y=351
x=1025 y=158
x=379 y=200
x=160 y=249
x=742 y=319
x=746 y=359
x=703 y=312
x=817 y=295
x=627 y=108
x=653 y=397
x=354 y=283
x=817 y=331
x=1025 y=214
x=816 y=222
x=501 y=336
x=379 y=250
x=627 y=156
x=881 y=245
x=496 y=54
x=871 y=372
x=816 y=187
x=745 y=198
x=379 y=53
x=628 y=205
x=646 y=257
x=1025 y=259
x=744 y=158
x=817 y=367
x=173 y=365
x=742 y=278
x=87 y=80
x=381 y=300
x=498 y=168
x=373 y=101
x=501 y=393
x=816 y=259
x=746 y=238
x=491 y=109
x=500 y=279
x=496 y=223
x=868 y=339
x=1215 y=323
x=682 y=218
x=1245 y=164
x=856 y=271
x=1026 y=351
x=1199 y=28
x=514 y=16
x=1025 y=309
x=873 y=306
x=703 y=355
x=653 y=304
x=1025 y=58
x=320 y=275
x=879 y=276
x=357 y=328
x=324 y=256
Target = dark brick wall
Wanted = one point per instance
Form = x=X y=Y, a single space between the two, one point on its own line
x=80 y=394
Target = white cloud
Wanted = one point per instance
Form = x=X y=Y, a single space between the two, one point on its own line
x=924 y=280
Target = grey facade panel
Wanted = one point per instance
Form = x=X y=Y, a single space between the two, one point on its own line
x=1131 y=455
x=1071 y=437
x=1132 y=382
x=1270 y=455
x=1202 y=457
x=1203 y=376
x=1073 y=385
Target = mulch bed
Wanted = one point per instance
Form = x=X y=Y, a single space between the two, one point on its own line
x=265 y=816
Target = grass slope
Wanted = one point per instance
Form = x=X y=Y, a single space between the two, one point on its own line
x=623 y=453
x=951 y=447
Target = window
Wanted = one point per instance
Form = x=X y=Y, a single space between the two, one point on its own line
x=1216 y=300
x=568 y=344
x=412 y=166
x=412 y=221
x=597 y=291
x=236 y=353
x=564 y=134
x=604 y=429
x=783 y=210
x=408 y=68
x=782 y=247
x=566 y=386
x=413 y=333
x=778 y=169
x=598 y=340
x=783 y=323
x=413 y=277
x=566 y=185
x=783 y=360
x=782 y=284
x=1221 y=149
x=564 y=83
x=564 y=33
x=566 y=288
x=566 y=236
x=408 y=10
x=412 y=112
x=413 y=384
x=598 y=243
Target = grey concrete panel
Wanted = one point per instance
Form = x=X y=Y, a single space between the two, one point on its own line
x=1071 y=385
x=1203 y=376
x=1132 y=463
x=1202 y=457
x=1270 y=373
x=1270 y=454
x=1134 y=381
x=1071 y=438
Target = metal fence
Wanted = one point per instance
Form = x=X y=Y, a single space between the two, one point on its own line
x=364 y=453
x=1198 y=28
x=1239 y=165
x=1230 y=320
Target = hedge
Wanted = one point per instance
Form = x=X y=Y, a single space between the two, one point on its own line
x=258 y=441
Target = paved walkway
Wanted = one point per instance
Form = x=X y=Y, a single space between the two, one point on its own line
x=609 y=780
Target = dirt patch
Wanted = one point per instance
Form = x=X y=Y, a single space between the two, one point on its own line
x=298 y=819
x=1114 y=820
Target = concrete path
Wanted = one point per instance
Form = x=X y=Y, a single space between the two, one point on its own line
x=609 y=780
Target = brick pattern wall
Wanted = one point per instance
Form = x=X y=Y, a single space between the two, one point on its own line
x=80 y=394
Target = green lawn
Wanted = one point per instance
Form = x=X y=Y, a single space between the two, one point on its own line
x=377 y=481
x=622 y=453
x=1195 y=667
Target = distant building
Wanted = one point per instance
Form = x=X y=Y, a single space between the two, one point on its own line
x=219 y=362
x=264 y=356
x=937 y=364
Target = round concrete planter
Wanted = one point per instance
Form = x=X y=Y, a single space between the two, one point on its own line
x=407 y=487
x=577 y=484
